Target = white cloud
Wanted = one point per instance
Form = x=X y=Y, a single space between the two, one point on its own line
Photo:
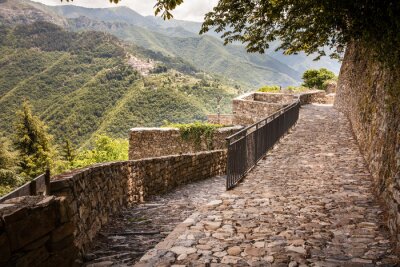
x=193 y=10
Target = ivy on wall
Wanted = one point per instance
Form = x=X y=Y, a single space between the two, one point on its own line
x=196 y=132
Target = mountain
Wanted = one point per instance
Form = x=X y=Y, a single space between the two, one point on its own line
x=179 y=38
x=206 y=52
x=85 y=83
x=17 y=11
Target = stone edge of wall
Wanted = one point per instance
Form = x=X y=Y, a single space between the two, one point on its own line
x=364 y=96
x=120 y=184
x=36 y=231
x=157 y=142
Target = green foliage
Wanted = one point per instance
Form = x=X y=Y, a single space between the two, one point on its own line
x=316 y=78
x=105 y=149
x=297 y=89
x=196 y=132
x=68 y=151
x=33 y=143
x=270 y=89
x=8 y=160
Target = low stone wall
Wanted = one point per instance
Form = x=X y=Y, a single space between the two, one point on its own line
x=224 y=119
x=316 y=96
x=94 y=193
x=36 y=231
x=252 y=107
x=368 y=93
x=156 y=142
x=278 y=98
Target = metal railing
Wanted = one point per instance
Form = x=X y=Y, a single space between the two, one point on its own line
x=248 y=146
x=38 y=186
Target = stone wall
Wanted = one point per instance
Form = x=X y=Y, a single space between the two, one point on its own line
x=277 y=98
x=316 y=96
x=224 y=119
x=36 y=231
x=369 y=94
x=252 y=107
x=156 y=142
x=96 y=192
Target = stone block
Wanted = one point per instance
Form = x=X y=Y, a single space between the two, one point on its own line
x=37 y=243
x=33 y=258
x=5 y=251
x=26 y=230
x=62 y=232
x=63 y=258
x=59 y=185
x=15 y=215
x=63 y=244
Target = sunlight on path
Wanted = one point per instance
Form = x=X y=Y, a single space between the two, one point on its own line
x=308 y=203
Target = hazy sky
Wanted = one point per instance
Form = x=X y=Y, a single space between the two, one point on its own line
x=193 y=10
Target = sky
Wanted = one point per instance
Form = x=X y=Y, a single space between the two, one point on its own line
x=192 y=10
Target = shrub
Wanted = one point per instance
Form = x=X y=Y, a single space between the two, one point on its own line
x=316 y=78
x=196 y=131
x=296 y=89
x=270 y=89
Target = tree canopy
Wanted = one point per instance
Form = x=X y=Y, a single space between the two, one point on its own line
x=32 y=142
x=304 y=25
x=317 y=78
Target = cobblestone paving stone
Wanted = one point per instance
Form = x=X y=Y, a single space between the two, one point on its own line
x=119 y=244
x=308 y=203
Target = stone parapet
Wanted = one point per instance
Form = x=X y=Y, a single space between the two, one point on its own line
x=224 y=119
x=316 y=96
x=156 y=142
x=252 y=107
x=37 y=231
x=96 y=192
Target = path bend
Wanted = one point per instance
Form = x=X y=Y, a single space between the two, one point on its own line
x=308 y=203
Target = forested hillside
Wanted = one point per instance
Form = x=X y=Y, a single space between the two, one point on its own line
x=180 y=39
x=81 y=83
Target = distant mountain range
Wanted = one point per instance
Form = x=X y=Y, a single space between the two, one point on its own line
x=206 y=52
x=180 y=39
x=80 y=69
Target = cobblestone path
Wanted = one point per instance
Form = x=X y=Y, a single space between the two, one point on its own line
x=308 y=203
x=137 y=229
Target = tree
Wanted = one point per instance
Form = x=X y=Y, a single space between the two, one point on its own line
x=105 y=149
x=68 y=152
x=7 y=157
x=33 y=143
x=316 y=78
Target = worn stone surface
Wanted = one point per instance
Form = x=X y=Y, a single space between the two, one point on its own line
x=159 y=216
x=310 y=202
x=369 y=94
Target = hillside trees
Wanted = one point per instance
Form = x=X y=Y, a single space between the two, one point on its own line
x=32 y=141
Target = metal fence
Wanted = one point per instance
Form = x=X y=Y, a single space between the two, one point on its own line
x=38 y=186
x=248 y=146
